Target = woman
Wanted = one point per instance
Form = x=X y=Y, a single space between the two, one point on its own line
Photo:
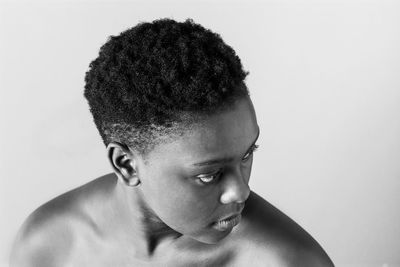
x=172 y=108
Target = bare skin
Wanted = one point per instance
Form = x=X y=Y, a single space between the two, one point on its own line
x=159 y=213
x=62 y=233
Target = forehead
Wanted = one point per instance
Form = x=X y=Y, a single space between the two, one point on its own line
x=226 y=134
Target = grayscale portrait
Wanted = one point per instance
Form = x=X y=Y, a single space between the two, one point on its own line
x=200 y=133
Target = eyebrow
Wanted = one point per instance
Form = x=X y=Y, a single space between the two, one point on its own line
x=225 y=160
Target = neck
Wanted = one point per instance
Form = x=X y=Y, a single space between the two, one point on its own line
x=147 y=233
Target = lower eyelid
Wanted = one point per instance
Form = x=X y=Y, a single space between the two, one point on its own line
x=207 y=175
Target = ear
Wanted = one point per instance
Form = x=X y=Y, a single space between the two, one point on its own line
x=123 y=163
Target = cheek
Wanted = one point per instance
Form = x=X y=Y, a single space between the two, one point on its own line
x=246 y=170
x=178 y=202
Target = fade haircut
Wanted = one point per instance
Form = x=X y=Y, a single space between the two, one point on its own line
x=157 y=79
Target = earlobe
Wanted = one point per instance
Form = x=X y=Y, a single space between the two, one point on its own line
x=123 y=163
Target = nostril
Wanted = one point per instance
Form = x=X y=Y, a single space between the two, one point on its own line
x=236 y=191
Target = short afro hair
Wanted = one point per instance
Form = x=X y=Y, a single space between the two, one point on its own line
x=159 y=77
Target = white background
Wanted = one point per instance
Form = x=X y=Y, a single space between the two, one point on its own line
x=324 y=79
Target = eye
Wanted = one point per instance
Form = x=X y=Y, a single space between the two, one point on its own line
x=208 y=178
x=252 y=150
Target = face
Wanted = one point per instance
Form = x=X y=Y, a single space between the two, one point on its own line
x=202 y=176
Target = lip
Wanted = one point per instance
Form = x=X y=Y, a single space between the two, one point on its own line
x=229 y=217
x=228 y=223
x=236 y=213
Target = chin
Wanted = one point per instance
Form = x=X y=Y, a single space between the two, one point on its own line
x=211 y=237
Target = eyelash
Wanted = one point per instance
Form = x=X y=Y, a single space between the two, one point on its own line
x=217 y=174
x=252 y=150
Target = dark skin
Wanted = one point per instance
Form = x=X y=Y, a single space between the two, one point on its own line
x=159 y=210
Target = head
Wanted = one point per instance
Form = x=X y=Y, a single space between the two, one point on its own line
x=172 y=108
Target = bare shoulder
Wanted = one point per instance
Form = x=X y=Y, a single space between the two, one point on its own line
x=51 y=233
x=273 y=239
x=44 y=237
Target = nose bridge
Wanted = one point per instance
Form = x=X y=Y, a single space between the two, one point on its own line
x=236 y=187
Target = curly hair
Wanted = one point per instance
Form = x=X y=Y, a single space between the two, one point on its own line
x=157 y=78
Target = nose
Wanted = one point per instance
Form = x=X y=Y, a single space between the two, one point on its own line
x=236 y=188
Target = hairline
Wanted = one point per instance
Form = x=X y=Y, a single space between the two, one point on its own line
x=184 y=123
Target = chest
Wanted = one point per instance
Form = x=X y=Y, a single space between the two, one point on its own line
x=119 y=256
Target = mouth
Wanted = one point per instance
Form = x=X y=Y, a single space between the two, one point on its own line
x=228 y=223
x=229 y=218
x=237 y=212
